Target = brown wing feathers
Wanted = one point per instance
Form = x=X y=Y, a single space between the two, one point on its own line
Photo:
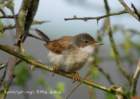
x=59 y=45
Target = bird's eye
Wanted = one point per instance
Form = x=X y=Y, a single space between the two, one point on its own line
x=86 y=41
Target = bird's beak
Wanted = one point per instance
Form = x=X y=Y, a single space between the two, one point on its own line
x=97 y=44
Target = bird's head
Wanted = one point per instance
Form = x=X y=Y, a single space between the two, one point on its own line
x=86 y=42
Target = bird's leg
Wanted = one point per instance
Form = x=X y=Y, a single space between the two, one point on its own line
x=76 y=76
x=55 y=69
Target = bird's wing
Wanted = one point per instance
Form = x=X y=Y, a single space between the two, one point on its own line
x=59 y=45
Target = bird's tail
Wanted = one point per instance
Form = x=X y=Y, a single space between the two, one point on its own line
x=42 y=35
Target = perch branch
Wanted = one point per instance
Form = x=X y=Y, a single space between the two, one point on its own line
x=37 y=64
x=95 y=18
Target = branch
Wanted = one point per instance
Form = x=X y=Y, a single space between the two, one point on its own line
x=19 y=23
x=37 y=64
x=135 y=79
x=3 y=75
x=9 y=27
x=21 y=20
x=30 y=14
x=100 y=39
x=135 y=10
x=7 y=17
x=39 y=22
x=78 y=85
x=35 y=22
x=2 y=66
x=95 y=18
x=127 y=9
x=2 y=12
x=113 y=45
x=107 y=76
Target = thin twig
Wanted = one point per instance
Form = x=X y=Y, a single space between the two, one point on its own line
x=107 y=76
x=2 y=66
x=127 y=9
x=2 y=12
x=35 y=22
x=9 y=27
x=95 y=18
x=113 y=45
x=135 y=78
x=37 y=64
x=39 y=22
x=99 y=37
x=135 y=10
x=4 y=74
x=35 y=37
x=75 y=87
x=7 y=17
x=30 y=11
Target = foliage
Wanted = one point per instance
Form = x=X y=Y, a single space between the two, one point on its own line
x=109 y=96
x=60 y=90
x=21 y=74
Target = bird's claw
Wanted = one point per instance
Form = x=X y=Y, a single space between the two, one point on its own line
x=76 y=77
x=55 y=69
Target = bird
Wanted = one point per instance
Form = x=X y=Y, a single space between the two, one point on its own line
x=70 y=53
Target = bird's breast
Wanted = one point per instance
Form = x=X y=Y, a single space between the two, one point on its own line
x=55 y=59
x=71 y=60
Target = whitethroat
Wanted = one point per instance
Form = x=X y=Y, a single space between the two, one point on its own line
x=70 y=53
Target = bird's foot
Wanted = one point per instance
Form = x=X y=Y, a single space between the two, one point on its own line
x=76 y=76
x=55 y=69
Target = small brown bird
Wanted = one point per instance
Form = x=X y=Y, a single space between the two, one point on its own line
x=70 y=53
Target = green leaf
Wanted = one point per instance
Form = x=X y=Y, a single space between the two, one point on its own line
x=42 y=82
x=109 y=96
x=21 y=73
x=57 y=96
x=60 y=87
